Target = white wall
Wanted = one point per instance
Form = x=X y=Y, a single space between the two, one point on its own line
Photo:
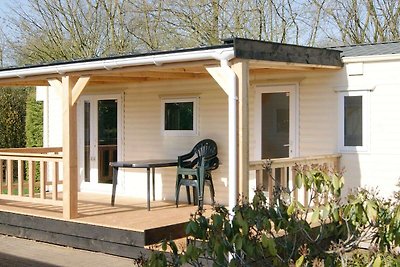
x=378 y=167
x=52 y=115
x=318 y=125
x=145 y=140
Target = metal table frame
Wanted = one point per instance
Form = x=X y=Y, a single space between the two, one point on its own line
x=147 y=164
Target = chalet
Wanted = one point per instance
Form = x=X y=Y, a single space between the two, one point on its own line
x=257 y=100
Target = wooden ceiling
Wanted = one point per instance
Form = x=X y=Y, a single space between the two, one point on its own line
x=140 y=74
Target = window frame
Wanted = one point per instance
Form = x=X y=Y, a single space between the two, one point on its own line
x=365 y=121
x=193 y=132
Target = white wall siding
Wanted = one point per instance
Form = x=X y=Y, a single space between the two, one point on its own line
x=378 y=167
x=144 y=138
x=318 y=126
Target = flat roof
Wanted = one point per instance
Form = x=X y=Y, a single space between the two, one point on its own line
x=243 y=49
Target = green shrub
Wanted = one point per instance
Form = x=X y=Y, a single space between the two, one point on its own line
x=34 y=121
x=325 y=231
x=12 y=117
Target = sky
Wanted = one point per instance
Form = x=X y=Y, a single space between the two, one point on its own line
x=6 y=5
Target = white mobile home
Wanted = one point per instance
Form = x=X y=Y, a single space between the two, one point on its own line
x=293 y=112
x=257 y=100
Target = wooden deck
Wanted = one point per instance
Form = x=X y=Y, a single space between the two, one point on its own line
x=126 y=229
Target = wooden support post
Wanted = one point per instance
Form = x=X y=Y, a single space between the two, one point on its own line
x=43 y=179
x=70 y=182
x=20 y=178
x=241 y=70
x=9 y=176
x=55 y=181
x=31 y=177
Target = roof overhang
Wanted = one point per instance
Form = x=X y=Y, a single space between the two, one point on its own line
x=177 y=64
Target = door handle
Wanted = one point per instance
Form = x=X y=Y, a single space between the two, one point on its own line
x=286 y=145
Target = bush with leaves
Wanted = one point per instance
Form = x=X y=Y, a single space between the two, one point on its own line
x=12 y=117
x=284 y=231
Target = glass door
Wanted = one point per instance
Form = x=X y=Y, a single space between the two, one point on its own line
x=275 y=141
x=99 y=138
x=276 y=121
x=276 y=126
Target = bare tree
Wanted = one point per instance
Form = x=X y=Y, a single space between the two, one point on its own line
x=48 y=30
x=359 y=21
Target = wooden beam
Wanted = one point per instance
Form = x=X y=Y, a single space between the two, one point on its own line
x=153 y=74
x=282 y=65
x=241 y=70
x=78 y=88
x=56 y=83
x=70 y=171
x=221 y=76
x=17 y=83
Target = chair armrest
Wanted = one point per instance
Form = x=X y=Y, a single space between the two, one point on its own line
x=210 y=162
x=183 y=159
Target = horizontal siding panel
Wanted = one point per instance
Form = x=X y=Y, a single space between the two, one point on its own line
x=144 y=138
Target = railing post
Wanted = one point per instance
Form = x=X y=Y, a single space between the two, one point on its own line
x=31 y=177
x=55 y=181
x=20 y=178
x=43 y=179
x=9 y=176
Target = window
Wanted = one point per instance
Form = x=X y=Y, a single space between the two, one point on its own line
x=179 y=116
x=354 y=120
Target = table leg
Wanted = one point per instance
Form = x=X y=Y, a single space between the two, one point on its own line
x=114 y=186
x=154 y=188
x=148 y=188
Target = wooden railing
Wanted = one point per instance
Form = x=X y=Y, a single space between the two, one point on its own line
x=107 y=154
x=31 y=174
x=270 y=173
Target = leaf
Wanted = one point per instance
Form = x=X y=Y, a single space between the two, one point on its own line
x=173 y=247
x=298 y=180
x=335 y=182
x=217 y=219
x=315 y=216
x=325 y=212
x=336 y=214
x=264 y=240
x=191 y=228
x=377 y=262
x=372 y=212
x=239 y=218
x=267 y=224
x=164 y=245
x=291 y=208
x=272 y=247
x=189 y=250
x=300 y=261
x=269 y=244
x=238 y=242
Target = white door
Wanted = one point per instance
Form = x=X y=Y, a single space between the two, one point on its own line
x=276 y=121
x=99 y=138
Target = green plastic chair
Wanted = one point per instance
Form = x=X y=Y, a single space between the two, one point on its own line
x=194 y=170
